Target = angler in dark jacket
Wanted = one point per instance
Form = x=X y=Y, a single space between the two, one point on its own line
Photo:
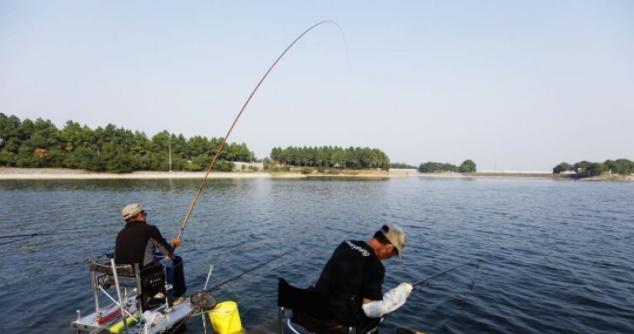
x=355 y=272
x=138 y=241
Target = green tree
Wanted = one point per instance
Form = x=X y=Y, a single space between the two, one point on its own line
x=562 y=167
x=81 y=158
x=332 y=157
x=620 y=166
x=467 y=166
x=401 y=165
x=580 y=167
x=39 y=143
x=596 y=169
x=589 y=169
x=436 y=167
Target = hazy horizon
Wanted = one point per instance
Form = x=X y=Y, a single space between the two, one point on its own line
x=510 y=86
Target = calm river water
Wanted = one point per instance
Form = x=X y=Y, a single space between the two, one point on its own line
x=556 y=255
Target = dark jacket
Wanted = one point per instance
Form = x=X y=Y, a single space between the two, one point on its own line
x=136 y=243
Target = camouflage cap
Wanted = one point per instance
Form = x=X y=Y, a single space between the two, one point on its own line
x=131 y=210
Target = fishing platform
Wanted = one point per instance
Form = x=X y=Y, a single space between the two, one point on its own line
x=137 y=301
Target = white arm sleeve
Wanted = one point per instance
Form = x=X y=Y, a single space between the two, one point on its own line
x=392 y=300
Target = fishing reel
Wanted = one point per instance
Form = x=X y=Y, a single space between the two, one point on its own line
x=203 y=300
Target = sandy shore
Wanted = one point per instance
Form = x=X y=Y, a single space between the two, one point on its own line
x=72 y=174
x=618 y=178
x=9 y=173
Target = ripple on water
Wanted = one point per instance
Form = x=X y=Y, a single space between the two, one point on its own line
x=556 y=256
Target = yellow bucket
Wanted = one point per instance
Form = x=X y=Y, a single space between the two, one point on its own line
x=225 y=318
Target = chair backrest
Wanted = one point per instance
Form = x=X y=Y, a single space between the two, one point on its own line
x=151 y=280
x=124 y=270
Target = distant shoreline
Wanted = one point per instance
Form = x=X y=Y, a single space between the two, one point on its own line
x=11 y=173
x=8 y=173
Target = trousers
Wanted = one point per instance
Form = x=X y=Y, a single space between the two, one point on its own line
x=175 y=275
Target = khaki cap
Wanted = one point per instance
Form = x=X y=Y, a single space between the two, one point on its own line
x=395 y=235
x=131 y=210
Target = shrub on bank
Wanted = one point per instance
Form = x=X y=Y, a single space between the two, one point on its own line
x=588 y=169
x=467 y=166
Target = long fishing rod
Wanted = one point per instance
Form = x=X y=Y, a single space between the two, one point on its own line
x=16 y=240
x=27 y=236
x=31 y=235
x=250 y=270
x=235 y=121
x=477 y=262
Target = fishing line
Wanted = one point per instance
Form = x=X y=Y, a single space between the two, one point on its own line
x=243 y=247
x=248 y=271
x=235 y=121
x=461 y=302
x=423 y=281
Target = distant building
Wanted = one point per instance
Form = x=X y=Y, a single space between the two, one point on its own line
x=40 y=152
x=242 y=166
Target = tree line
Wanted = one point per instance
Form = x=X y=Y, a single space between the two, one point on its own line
x=40 y=143
x=401 y=165
x=331 y=157
x=467 y=166
x=588 y=169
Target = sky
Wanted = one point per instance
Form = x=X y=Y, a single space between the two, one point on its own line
x=512 y=85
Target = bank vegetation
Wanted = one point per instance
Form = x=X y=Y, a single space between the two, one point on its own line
x=584 y=169
x=40 y=144
x=467 y=166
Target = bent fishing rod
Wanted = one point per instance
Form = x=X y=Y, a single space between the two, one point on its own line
x=235 y=121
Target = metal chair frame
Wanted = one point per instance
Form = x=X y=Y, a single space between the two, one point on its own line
x=100 y=280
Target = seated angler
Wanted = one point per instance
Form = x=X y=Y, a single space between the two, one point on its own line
x=138 y=242
x=355 y=272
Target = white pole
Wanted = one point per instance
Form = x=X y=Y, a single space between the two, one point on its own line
x=211 y=267
x=169 y=145
x=202 y=315
x=116 y=282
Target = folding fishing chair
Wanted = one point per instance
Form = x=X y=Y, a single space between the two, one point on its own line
x=314 y=312
x=136 y=289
